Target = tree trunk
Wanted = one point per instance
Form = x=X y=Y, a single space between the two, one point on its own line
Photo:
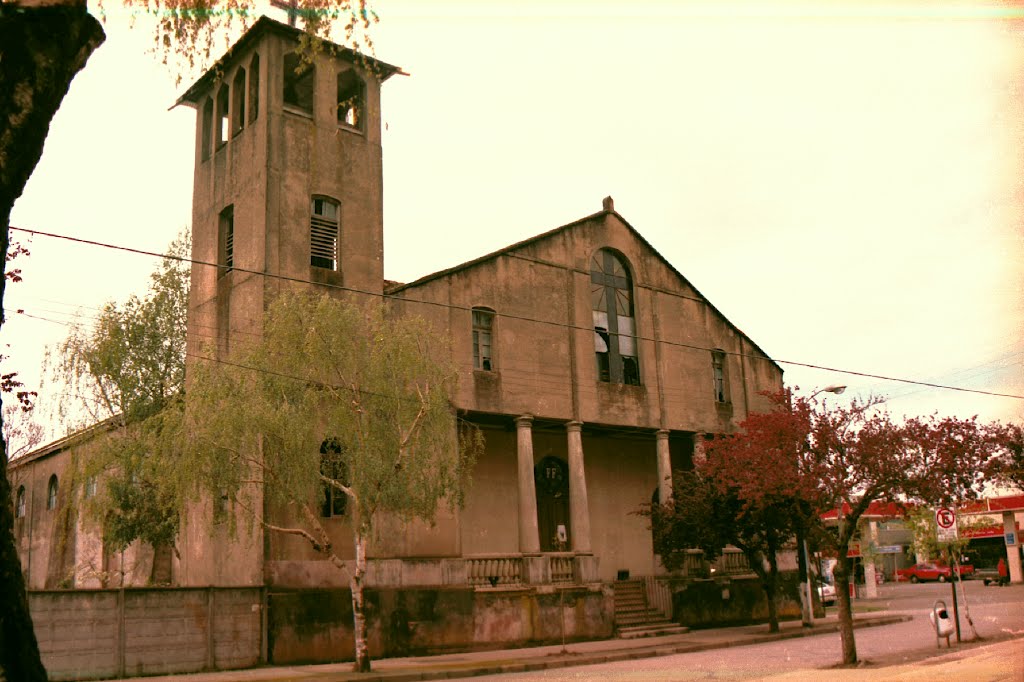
x=842 y=579
x=41 y=50
x=362 y=664
x=770 y=589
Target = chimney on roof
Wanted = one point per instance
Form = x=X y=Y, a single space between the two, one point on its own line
x=608 y=204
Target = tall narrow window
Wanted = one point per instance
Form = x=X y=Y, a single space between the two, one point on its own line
x=223 y=97
x=226 y=241
x=332 y=466
x=207 y=128
x=298 y=83
x=718 y=372
x=483 y=323
x=90 y=486
x=238 y=95
x=351 y=99
x=19 y=504
x=254 y=88
x=323 y=234
x=51 y=493
x=611 y=294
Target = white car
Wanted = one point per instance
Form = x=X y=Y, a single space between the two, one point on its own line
x=827 y=593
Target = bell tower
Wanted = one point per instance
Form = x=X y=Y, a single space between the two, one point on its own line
x=288 y=178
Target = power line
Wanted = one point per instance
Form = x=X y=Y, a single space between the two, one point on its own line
x=299 y=280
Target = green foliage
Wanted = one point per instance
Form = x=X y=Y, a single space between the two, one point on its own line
x=377 y=389
x=127 y=373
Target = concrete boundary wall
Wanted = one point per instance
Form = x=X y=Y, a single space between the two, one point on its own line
x=93 y=634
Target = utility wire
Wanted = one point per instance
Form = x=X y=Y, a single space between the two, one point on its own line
x=453 y=306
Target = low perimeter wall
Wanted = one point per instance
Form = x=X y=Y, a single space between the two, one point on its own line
x=732 y=601
x=92 y=634
x=308 y=626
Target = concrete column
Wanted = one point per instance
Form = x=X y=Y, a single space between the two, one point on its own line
x=529 y=537
x=664 y=467
x=870 y=586
x=1012 y=551
x=699 y=456
x=579 y=509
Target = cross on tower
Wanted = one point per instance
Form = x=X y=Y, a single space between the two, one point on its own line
x=289 y=6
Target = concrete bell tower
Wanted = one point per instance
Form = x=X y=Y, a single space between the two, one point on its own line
x=288 y=178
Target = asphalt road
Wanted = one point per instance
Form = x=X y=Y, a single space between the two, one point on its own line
x=997 y=613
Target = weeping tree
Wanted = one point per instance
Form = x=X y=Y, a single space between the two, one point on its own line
x=333 y=397
x=125 y=373
x=43 y=45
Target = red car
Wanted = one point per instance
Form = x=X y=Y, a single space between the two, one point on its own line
x=932 y=570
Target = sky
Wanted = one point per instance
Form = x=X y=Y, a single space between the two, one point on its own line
x=843 y=180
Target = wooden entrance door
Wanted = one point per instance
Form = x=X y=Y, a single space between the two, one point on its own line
x=552 y=477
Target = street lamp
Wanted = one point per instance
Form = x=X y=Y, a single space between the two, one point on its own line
x=836 y=389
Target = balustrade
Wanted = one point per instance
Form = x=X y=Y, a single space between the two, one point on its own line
x=495 y=571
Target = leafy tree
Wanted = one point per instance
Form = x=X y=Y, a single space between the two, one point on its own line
x=126 y=372
x=333 y=395
x=1009 y=469
x=43 y=45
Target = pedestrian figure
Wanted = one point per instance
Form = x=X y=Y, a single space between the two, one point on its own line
x=1004 y=574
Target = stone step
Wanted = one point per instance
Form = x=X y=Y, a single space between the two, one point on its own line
x=652 y=630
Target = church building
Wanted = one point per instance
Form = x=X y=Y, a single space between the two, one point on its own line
x=590 y=363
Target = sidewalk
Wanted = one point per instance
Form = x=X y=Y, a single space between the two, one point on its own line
x=535 y=658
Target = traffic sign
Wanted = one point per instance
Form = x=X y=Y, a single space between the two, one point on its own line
x=945 y=522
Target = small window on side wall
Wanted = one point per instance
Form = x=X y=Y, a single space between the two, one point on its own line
x=298 y=83
x=323 y=234
x=226 y=241
x=238 y=95
x=332 y=466
x=351 y=99
x=51 y=493
x=19 y=503
x=721 y=386
x=207 y=128
x=223 y=125
x=254 y=88
x=483 y=324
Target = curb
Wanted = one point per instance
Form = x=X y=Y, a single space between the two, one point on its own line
x=552 y=662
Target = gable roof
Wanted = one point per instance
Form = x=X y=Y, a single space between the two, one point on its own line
x=262 y=26
x=609 y=210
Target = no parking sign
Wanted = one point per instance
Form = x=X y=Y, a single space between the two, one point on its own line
x=945 y=524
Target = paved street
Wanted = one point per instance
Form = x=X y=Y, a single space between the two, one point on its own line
x=998 y=613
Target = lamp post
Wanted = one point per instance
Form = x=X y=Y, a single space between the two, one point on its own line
x=809 y=614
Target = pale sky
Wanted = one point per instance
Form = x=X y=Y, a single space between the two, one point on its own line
x=844 y=181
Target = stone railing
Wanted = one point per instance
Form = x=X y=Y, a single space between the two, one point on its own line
x=659 y=594
x=732 y=562
x=562 y=568
x=494 y=571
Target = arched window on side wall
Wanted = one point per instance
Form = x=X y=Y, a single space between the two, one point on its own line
x=254 y=88
x=19 y=503
x=351 y=99
x=222 y=123
x=207 y=128
x=332 y=465
x=51 y=493
x=611 y=294
x=483 y=326
x=238 y=97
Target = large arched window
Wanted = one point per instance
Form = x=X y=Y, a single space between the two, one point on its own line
x=19 y=504
x=351 y=99
x=254 y=88
x=51 y=493
x=611 y=296
x=298 y=83
x=238 y=102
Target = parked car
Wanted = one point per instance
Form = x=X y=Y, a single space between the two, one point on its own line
x=932 y=570
x=826 y=592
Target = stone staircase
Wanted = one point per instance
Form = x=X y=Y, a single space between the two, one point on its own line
x=635 y=618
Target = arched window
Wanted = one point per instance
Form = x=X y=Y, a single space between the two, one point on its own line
x=226 y=241
x=298 y=83
x=207 y=127
x=19 y=503
x=351 y=99
x=238 y=95
x=611 y=295
x=254 y=88
x=223 y=129
x=323 y=233
x=51 y=493
x=483 y=324
x=332 y=465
